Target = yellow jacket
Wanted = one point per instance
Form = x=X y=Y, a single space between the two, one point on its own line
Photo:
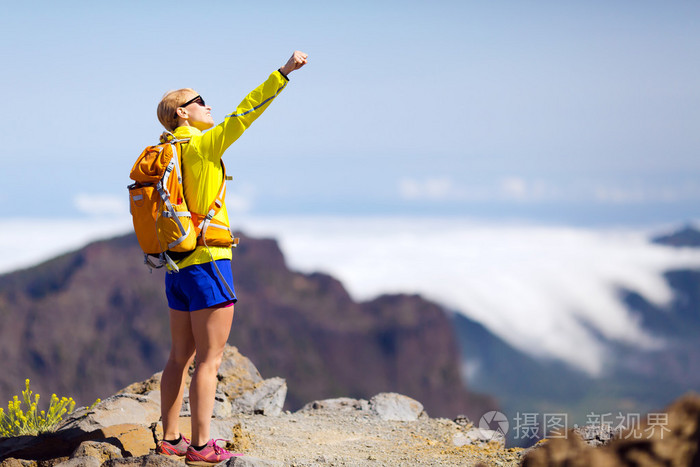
x=201 y=158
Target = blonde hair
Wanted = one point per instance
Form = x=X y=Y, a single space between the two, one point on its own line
x=167 y=107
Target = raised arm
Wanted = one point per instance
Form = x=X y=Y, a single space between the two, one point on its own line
x=219 y=138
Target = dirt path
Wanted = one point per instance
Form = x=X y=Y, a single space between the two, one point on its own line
x=347 y=439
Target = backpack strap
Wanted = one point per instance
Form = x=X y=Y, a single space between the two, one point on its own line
x=213 y=210
x=173 y=165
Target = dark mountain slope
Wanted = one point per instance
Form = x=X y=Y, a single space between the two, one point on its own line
x=92 y=321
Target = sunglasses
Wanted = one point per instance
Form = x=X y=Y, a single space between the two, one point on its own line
x=197 y=99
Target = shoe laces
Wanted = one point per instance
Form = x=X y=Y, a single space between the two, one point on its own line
x=218 y=449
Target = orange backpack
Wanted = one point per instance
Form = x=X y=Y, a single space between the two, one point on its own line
x=162 y=221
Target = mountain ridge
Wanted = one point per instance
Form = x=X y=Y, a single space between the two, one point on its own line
x=90 y=321
x=634 y=380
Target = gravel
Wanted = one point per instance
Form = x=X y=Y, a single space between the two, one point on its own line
x=337 y=438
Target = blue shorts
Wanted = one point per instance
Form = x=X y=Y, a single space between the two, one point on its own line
x=199 y=286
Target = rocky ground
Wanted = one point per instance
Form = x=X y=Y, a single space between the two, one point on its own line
x=330 y=437
x=325 y=438
x=388 y=430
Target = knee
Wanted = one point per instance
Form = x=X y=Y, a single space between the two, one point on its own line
x=209 y=362
x=181 y=359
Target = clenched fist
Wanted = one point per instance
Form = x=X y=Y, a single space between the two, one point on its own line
x=296 y=61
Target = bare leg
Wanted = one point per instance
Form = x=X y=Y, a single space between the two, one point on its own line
x=210 y=328
x=172 y=384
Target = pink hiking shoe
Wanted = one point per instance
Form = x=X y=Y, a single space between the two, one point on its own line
x=209 y=455
x=169 y=449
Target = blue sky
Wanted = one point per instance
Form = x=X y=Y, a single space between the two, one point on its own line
x=573 y=112
x=472 y=116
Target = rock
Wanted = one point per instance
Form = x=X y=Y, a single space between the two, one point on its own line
x=571 y=450
x=236 y=375
x=671 y=437
x=478 y=436
x=266 y=398
x=236 y=369
x=130 y=439
x=134 y=440
x=12 y=462
x=343 y=404
x=144 y=387
x=101 y=451
x=222 y=405
x=151 y=460
x=115 y=410
x=247 y=461
x=392 y=406
x=462 y=420
x=231 y=429
x=595 y=435
x=238 y=379
x=386 y=406
x=80 y=462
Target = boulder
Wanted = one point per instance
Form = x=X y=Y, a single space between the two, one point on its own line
x=237 y=372
x=144 y=387
x=99 y=450
x=236 y=375
x=240 y=384
x=385 y=405
x=115 y=410
x=92 y=454
x=265 y=398
x=342 y=404
x=392 y=406
x=240 y=388
x=571 y=450
x=134 y=440
x=670 y=437
x=222 y=405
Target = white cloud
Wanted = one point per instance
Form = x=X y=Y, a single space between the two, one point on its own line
x=639 y=193
x=102 y=204
x=431 y=189
x=514 y=187
x=34 y=245
x=521 y=189
x=531 y=285
x=509 y=188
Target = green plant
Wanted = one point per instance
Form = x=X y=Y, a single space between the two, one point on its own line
x=30 y=420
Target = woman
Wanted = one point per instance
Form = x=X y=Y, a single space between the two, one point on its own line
x=201 y=295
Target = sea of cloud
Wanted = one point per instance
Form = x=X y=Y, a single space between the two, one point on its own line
x=541 y=288
x=545 y=289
